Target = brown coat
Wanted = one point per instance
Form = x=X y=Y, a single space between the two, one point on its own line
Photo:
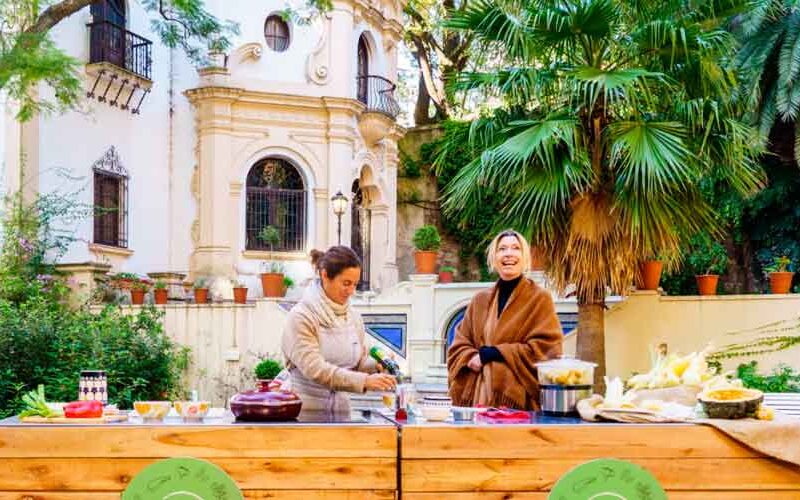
x=528 y=331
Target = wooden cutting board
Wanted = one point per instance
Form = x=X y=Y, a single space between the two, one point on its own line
x=105 y=419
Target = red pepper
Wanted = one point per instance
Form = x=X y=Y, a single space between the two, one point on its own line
x=83 y=409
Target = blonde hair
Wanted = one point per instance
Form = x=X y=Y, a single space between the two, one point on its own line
x=491 y=252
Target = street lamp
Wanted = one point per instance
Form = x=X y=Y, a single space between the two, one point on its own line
x=339 y=202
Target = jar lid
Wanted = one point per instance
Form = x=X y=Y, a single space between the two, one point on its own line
x=565 y=362
x=93 y=373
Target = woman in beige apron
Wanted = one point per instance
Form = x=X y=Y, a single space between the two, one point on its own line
x=323 y=340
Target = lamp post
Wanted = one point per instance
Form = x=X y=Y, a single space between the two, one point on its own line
x=339 y=202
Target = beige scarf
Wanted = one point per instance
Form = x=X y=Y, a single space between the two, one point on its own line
x=328 y=313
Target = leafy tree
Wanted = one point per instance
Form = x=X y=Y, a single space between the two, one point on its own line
x=29 y=57
x=610 y=113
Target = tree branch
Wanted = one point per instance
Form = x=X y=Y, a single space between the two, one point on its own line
x=55 y=13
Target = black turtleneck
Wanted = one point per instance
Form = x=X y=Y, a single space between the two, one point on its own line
x=504 y=291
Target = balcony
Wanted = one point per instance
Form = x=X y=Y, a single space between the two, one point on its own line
x=377 y=93
x=381 y=108
x=114 y=44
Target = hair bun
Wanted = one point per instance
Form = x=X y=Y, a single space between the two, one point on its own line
x=316 y=256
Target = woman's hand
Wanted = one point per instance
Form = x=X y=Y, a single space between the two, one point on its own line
x=380 y=382
x=475 y=363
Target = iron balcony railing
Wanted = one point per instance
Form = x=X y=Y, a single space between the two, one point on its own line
x=114 y=44
x=377 y=93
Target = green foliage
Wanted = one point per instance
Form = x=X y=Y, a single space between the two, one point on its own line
x=779 y=265
x=288 y=282
x=768 y=338
x=271 y=236
x=409 y=168
x=782 y=379
x=28 y=56
x=160 y=285
x=200 y=283
x=427 y=239
x=707 y=256
x=612 y=113
x=447 y=269
x=268 y=369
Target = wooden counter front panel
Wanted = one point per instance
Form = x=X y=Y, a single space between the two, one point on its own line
x=525 y=462
x=289 y=463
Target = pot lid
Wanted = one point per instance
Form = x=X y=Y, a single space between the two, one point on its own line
x=565 y=362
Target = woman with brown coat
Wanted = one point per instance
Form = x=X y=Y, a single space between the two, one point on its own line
x=506 y=330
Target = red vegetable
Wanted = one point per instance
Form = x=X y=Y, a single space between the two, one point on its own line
x=83 y=409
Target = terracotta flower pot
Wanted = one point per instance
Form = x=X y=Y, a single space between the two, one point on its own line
x=200 y=295
x=137 y=297
x=780 y=282
x=650 y=272
x=160 y=295
x=537 y=259
x=240 y=295
x=272 y=284
x=425 y=262
x=707 y=284
x=445 y=276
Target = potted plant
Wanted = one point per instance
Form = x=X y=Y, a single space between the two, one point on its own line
x=123 y=281
x=709 y=260
x=216 y=53
x=239 y=292
x=780 y=278
x=288 y=283
x=138 y=290
x=266 y=370
x=427 y=242
x=160 y=292
x=272 y=277
x=200 y=291
x=650 y=274
x=446 y=274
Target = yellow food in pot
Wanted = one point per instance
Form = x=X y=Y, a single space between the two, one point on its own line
x=569 y=376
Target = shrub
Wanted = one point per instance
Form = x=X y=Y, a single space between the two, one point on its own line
x=268 y=369
x=427 y=239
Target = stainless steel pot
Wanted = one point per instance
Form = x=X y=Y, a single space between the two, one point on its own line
x=561 y=400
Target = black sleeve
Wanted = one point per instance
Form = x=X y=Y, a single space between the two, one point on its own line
x=490 y=353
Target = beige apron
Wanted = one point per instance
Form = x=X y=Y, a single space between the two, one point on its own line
x=339 y=346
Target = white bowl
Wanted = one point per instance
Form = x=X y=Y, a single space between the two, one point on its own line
x=434 y=413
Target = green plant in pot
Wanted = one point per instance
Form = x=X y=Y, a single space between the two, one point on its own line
x=272 y=277
x=288 y=283
x=708 y=259
x=446 y=274
x=239 y=292
x=780 y=277
x=427 y=243
x=160 y=292
x=139 y=289
x=265 y=371
x=200 y=290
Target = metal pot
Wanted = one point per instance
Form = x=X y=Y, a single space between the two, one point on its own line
x=561 y=400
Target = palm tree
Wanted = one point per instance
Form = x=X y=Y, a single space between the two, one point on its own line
x=610 y=113
x=770 y=61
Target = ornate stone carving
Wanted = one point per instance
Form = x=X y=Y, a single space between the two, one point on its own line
x=374 y=127
x=110 y=163
x=319 y=61
x=252 y=50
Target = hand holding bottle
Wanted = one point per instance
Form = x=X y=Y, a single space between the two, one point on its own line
x=380 y=382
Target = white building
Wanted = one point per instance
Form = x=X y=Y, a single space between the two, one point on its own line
x=194 y=163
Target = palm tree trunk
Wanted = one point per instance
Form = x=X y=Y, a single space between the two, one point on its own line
x=591 y=340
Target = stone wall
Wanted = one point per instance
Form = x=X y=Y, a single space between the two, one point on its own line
x=418 y=204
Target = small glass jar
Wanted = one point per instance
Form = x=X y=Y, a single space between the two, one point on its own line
x=406 y=396
x=93 y=386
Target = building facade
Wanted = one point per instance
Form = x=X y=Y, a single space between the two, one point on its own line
x=186 y=166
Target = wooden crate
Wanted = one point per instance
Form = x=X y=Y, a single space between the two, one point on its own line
x=524 y=462
x=329 y=462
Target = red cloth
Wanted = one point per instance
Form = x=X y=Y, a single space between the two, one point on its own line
x=505 y=416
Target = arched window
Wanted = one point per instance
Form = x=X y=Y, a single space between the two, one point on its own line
x=362 y=69
x=276 y=196
x=110 y=200
x=276 y=32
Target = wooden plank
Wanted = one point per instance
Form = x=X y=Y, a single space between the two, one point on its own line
x=105 y=419
x=201 y=441
x=542 y=474
x=672 y=495
x=259 y=494
x=260 y=474
x=575 y=441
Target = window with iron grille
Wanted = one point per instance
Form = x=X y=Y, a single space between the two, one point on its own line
x=110 y=201
x=276 y=31
x=276 y=196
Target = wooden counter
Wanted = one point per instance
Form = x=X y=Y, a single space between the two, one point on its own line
x=492 y=462
x=354 y=461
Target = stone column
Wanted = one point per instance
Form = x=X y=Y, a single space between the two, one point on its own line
x=421 y=325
